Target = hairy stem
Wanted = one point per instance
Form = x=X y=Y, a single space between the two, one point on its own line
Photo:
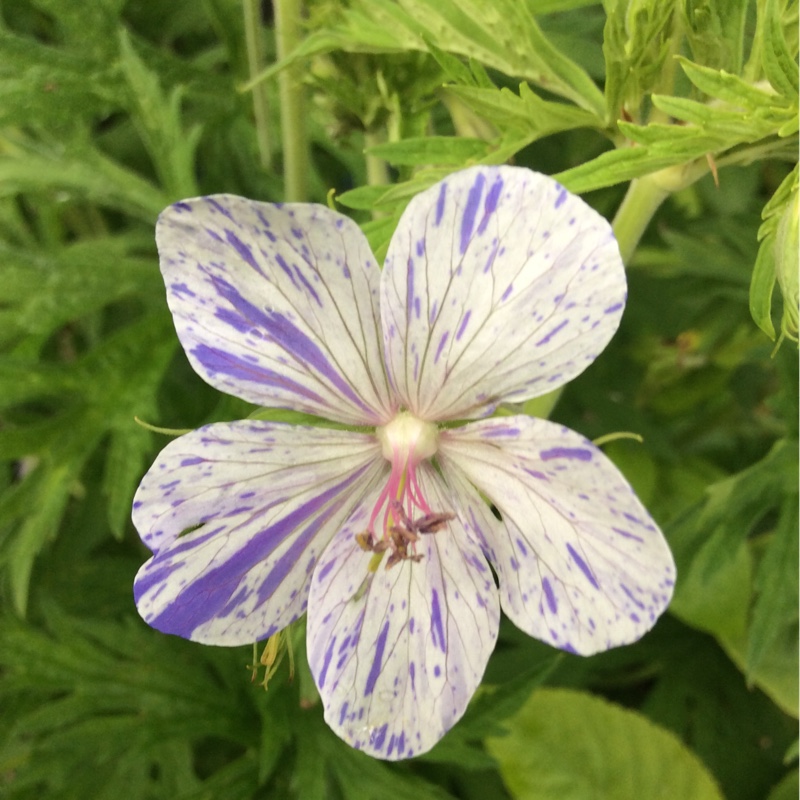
x=292 y=101
x=255 y=64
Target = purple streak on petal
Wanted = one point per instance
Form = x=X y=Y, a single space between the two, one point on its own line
x=490 y=260
x=433 y=311
x=281 y=331
x=182 y=207
x=490 y=204
x=215 y=236
x=281 y=262
x=491 y=433
x=612 y=309
x=437 y=631
x=583 y=566
x=412 y=674
x=204 y=598
x=548 y=593
x=463 y=325
x=442 y=343
x=236 y=321
x=342 y=712
x=242 y=249
x=566 y=452
x=308 y=286
x=144 y=584
x=471 y=209
x=420 y=247
x=182 y=288
x=562 y=196
x=410 y=286
x=190 y=544
x=552 y=333
x=190 y=462
x=377 y=738
x=375 y=669
x=627 y=535
x=507 y=293
x=222 y=210
x=326 y=569
x=326 y=662
x=440 y=204
x=219 y=361
x=631 y=596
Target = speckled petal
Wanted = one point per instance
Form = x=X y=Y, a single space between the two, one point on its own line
x=499 y=285
x=581 y=564
x=277 y=304
x=237 y=515
x=397 y=653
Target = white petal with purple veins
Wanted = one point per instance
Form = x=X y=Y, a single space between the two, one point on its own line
x=237 y=515
x=277 y=304
x=397 y=653
x=498 y=285
x=581 y=564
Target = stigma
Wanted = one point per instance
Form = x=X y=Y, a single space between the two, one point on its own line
x=402 y=513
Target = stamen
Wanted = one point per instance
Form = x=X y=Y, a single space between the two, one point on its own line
x=406 y=441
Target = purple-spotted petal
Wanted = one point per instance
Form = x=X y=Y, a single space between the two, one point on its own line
x=237 y=515
x=581 y=564
x=498 y=285
x=277 y=304
x=397 y=653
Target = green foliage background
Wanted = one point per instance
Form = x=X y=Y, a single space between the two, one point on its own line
x=675 y=118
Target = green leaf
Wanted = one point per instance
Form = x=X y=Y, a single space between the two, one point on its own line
x=715 y=31
x=505 y=36
x=777 y=588
x=779 y=65
x=426 y=150
x=637 y=43
x=46 y=288
x=159 y=122
x=787 y=789
x=765 y=269
x=527 y=114
x=569 y=745
x=502 y=35
x=730 y=88
x=89 y=174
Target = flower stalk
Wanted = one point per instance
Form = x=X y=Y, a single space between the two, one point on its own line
x=292 y=102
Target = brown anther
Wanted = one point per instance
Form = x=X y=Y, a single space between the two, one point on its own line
x=431 y=523
x=366 y=541
x=406 y=532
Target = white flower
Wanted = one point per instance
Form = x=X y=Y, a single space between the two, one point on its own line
x=498 y=286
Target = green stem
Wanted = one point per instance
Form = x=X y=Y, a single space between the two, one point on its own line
x=645 y=196
x=255 y=64
x=377 y=170
x=641 y=202
x=292 y=101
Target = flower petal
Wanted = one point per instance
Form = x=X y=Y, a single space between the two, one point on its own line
x=237 y=514
x=498 y=285
x=277 y=304
x=397 y=653
x=581 y=564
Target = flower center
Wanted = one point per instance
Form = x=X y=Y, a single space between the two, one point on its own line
x=401 y=512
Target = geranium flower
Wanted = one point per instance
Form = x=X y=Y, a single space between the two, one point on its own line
x=498 y=286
